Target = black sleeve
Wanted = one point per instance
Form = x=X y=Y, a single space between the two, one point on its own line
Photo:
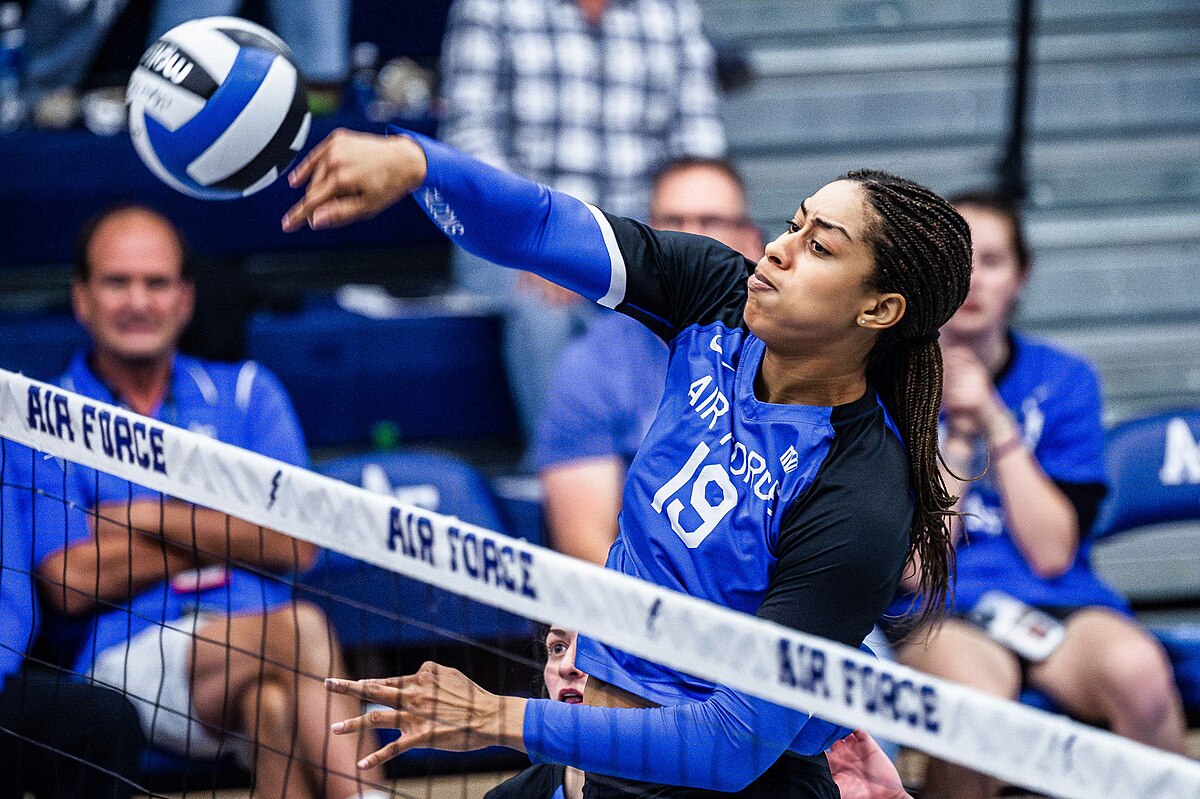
x=1085 y=498
x=674 y=280
x=536 y=782
x=843 y=543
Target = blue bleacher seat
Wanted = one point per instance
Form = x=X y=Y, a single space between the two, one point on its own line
x=1150 y=529
x=369 y=606
x=433 y=373
x=39 y=346
x=1154 y=472
x=53 y=181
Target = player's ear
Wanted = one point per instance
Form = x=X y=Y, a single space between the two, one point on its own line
x=883 y=311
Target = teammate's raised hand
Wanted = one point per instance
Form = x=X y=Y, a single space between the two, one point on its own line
x=862 y=770
x=438 y=707
x=353 y=176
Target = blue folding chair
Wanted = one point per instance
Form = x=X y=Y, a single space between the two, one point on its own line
x=1149 y=530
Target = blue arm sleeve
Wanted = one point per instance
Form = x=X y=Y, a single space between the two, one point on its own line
x=722 y=744
x=515 y=222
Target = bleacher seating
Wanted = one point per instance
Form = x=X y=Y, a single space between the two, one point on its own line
x=432 y=370
x=1150 y=525
x=39 y=345
x=1149 y=533
x=52 y=183
x=922 y=89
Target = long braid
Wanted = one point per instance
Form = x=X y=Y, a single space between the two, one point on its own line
x=923 y=252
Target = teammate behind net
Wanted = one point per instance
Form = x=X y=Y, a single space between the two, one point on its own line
x=188 y=611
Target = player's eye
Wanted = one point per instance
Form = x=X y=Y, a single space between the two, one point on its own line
x=791 y=226
x=557 y=649
x=818 y=248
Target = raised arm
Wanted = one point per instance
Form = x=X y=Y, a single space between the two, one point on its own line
x=495 y=214
x=723 y=743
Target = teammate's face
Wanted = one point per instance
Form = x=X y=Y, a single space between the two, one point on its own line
x=705 y=201
x=811 y=286
x=996 y=277
x=564 y=682
x=135 y=301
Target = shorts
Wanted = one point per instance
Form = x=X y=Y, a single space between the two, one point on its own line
x=153 y=670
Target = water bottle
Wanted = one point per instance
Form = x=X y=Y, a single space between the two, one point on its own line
x=12 y=67
x=364 y=60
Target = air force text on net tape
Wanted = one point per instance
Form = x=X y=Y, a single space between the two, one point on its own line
x=1011 y=741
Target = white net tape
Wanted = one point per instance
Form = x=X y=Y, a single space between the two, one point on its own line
x=1037 y=750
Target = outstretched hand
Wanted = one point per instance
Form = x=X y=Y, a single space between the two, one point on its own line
x=436 y=708
x=353 y=176
x=862 y=770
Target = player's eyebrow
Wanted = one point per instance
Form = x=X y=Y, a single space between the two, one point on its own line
x=825 y=223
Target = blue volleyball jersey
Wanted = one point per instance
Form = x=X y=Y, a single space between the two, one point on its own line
x=800 y=514
x=725 y=484
x=1055 y=397
x=241 y=404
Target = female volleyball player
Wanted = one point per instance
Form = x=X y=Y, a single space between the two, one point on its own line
x=790 y=472
x=1036 y=410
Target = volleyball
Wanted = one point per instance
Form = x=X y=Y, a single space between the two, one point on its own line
x=217 y=108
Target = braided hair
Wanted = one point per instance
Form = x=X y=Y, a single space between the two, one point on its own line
x=922 y=250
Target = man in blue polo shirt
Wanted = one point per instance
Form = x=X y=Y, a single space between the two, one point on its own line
x=189 y=611
x=59 y=737
x=605 y=390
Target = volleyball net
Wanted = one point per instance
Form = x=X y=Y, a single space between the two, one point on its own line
x=123 y=524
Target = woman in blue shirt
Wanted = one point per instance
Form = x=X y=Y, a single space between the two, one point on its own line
x=790 y=471
x=1036 y=410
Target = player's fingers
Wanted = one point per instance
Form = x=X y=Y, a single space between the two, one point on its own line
x=319 y=192
x=386 y=753
x=303 y=169
x=339 y=212
x=375 y=720
x=363 y=689
x=390 y=682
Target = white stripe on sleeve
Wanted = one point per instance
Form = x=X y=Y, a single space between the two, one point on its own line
x=617 y=277
x=245 y=382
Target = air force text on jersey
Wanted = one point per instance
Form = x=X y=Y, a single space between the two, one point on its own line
x=112 y=434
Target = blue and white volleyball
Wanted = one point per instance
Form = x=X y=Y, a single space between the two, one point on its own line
x=217 y=108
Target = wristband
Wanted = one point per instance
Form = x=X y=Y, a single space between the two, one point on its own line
x=1008 y=445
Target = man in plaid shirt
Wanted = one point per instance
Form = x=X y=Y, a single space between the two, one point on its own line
x=588 y=97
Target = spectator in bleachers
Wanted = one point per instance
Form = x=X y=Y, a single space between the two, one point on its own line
x=588 y=97
x=1027 y=415
x=605 y=391
x=62 y=738
x=65 y=36
x=190 y=611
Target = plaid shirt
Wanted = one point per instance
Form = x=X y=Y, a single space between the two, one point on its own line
x=591 y=111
